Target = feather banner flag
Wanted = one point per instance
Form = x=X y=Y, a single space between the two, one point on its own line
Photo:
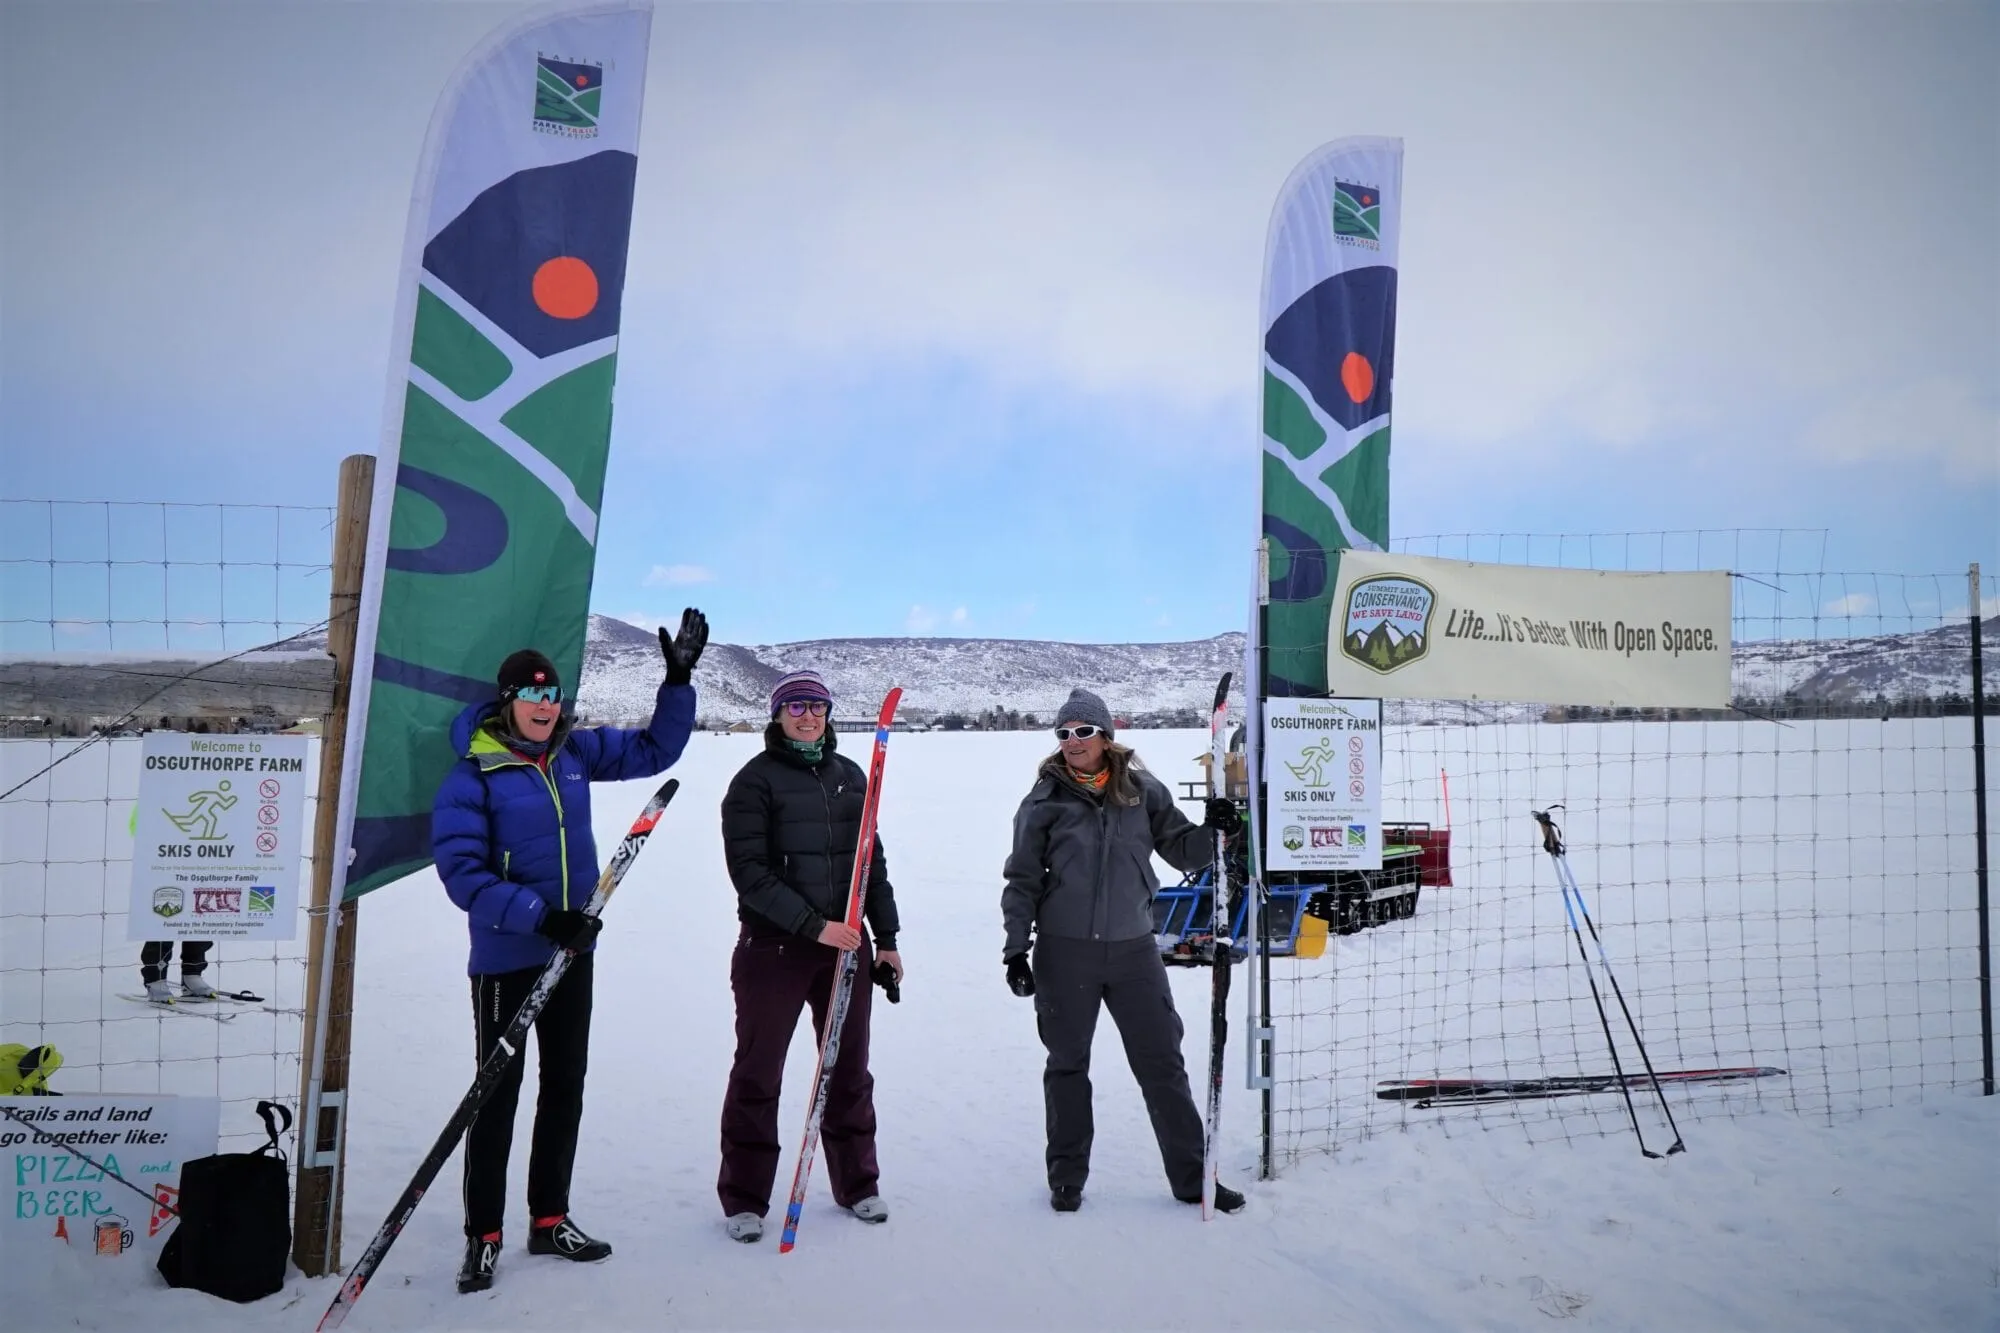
x=489 y=480
x=1329 y=321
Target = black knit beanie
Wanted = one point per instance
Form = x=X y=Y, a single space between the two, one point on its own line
x=524 y=668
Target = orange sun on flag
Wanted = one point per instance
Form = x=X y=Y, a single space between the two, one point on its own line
x=1357 y=376
x=565 y=288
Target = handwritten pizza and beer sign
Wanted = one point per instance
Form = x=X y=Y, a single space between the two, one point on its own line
x=100 y=1172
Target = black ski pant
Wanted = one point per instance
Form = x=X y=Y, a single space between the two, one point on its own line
x=773 y=978
x=1072 y=979
x=154 y=957
x=562 y=1050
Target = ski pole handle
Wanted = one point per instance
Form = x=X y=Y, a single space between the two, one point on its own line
x=1552 y=842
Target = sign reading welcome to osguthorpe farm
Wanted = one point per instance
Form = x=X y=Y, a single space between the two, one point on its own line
x=1323 y=784
x=1416 y=627
x=215 y=851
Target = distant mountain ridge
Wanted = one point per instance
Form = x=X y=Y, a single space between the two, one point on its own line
x=1160 y=684
x=939 y=676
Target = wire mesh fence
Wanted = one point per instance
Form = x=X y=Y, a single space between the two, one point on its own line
x=139 y=597
x=1785 y=890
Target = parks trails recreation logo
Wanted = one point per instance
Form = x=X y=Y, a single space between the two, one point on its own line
x=568 y=94
x=1387 y=621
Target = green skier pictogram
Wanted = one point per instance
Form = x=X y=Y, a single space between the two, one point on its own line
x=204 y=808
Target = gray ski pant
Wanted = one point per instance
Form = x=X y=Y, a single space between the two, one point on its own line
x=1072 y=979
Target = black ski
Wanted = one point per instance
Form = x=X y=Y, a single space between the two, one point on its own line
x=503 y=1051
x=1427 y=1092
x=1219 y=943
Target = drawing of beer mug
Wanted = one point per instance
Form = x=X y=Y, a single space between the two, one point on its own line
x=114 y=1235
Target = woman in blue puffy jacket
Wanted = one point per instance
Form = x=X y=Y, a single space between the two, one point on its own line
x=510 y=833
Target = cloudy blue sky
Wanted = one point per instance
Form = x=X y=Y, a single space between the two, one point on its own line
x=943 y=318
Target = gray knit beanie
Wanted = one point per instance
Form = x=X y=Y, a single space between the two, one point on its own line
x=1083 y=706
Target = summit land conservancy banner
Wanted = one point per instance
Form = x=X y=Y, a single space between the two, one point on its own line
x=1415 y=627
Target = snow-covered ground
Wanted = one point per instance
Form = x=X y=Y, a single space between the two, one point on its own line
x=1769 y=1221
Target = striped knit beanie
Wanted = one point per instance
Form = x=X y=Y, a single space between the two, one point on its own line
x=799 y=686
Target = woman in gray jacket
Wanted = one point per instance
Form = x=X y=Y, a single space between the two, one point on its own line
x=1081 y=878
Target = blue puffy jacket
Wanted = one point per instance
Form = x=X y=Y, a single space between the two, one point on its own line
x=511 y=836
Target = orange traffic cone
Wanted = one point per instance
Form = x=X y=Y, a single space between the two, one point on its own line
x=62 y=1229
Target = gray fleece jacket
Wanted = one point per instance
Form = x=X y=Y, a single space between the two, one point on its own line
x=1082 y=866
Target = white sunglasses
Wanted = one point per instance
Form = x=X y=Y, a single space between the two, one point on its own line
x=1082 y=733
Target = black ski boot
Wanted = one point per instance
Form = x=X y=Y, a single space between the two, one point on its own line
x=1066 y=1198
x=1227 y=1200
x=566 y=1240
x=481 y=1254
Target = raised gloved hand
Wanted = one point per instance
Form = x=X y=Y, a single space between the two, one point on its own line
x=569 y=928
x=1222 y=816
x=683 y=650
x=1020 y=977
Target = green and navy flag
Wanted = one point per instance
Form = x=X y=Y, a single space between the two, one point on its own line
x=1329 y=321
x=483 y=529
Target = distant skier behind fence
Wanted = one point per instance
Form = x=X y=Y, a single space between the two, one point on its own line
x=510 y=832
x=1080 y=878
x=791 y=824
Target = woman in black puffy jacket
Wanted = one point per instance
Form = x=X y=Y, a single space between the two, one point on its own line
x=791 y=823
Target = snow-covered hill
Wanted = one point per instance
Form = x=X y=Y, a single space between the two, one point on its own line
x=1160 y=684
x=622 y=670
x=1927 y=664
x=938 y=676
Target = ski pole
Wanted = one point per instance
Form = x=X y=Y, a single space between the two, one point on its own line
x=1573 y=906
x=1569 y=877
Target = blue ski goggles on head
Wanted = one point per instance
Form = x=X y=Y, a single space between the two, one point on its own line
x=540 y=694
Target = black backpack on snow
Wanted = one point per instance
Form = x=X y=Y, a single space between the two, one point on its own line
x=235 y=1231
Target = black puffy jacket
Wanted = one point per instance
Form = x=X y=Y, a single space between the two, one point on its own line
x=789 y=831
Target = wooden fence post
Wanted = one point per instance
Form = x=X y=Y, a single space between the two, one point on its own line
x=322 y=1143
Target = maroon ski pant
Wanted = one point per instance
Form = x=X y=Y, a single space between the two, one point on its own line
x=773 y=978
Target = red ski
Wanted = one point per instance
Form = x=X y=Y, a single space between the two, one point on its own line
x=843 y=977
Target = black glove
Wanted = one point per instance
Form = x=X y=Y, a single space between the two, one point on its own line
x=683 y=650
x=569 y=928
x=1222 y=816
x=884 y=976
x=1020 y=977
